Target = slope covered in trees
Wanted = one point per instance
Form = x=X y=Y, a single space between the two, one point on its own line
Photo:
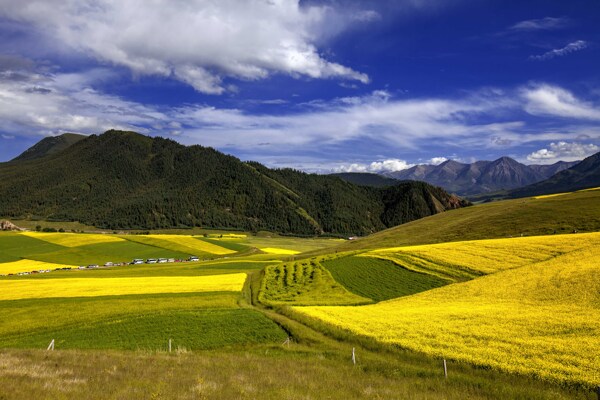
x=124 y=180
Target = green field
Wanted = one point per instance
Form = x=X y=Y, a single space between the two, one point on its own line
x=578 y=211
x=303 y=283
x=378 y=279
x=229 y=344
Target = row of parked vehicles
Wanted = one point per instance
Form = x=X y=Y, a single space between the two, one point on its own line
x=161 y=260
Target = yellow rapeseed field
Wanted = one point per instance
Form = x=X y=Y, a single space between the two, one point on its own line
x=73 y=239
x=539 y=319
x=91 y=287
x=477 y=257
x=276 y=250
x=193 y=243
x=27 y=266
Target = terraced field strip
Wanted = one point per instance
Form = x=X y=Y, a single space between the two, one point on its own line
x=275 y=250
x=540 y=319
x=89 y=287
x=73 y=239
x=471 y=258
x=27 y=266
x=195 y=243
x=305 y=283
x=379 y=279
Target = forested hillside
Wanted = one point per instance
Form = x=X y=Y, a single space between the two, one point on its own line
x=124 y=180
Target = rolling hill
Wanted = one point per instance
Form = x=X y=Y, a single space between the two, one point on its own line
x=124 y=180
x=577 y=211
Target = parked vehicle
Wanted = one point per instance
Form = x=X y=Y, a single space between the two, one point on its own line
x=151 y=261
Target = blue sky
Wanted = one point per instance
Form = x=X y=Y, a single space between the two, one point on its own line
x=315 y=85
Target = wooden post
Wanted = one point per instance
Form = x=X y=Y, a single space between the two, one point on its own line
x=353 y=356
x=51 y=345
x=169 y=345
x=445 y=370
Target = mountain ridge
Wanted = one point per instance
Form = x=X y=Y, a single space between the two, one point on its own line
x=124 y=180
x=480 y=177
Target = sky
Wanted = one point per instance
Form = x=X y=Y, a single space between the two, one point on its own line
x=320 y=85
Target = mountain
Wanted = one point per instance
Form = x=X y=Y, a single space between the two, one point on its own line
x=584 y=175
x=49 y=145
x=124 y=180
x=480 y=176
x=366 y=179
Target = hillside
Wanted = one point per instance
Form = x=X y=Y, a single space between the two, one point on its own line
x=48 y=146
x=480 y=176
x=366 y=179
x=585 y=174
x=578 y=211
x=124 y=180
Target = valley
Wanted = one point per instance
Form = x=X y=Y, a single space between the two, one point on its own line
x=512 y=317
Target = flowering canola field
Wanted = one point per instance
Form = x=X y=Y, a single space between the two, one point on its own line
x=73 y=239
x=193 y=243
x=91 y=287
x=469 y=259
x=540 y=318
x=27 y=266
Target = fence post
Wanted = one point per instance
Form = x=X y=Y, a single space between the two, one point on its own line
x=445 y=370
x=353 y=356
x=169 y=345
x=51 y=345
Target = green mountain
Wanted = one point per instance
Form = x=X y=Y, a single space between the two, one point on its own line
x=124 y=180
x=585 y=174
x=366 y=179
x=49 y=146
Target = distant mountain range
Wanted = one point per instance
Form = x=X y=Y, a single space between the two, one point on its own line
x=584 y=175
x=480 y=176
x=494 y=180
x=124 y=180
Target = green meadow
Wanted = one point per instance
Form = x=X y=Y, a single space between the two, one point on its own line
x=252 y=343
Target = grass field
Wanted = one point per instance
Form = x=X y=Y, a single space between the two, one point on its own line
x=502 y=219
x=538 y=319
x=524 y=305
x=379 y=279
x=188 y=329
x=305 y=282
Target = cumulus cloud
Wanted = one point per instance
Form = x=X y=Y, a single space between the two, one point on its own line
x=389 y=165
x=552 y=100
x=437 y=160
x=547 y=23
x=51 y=103
x=200 y=42
x=564 y=151
x=563 y=51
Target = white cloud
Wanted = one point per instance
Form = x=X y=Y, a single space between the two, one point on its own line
x=552 y=100
x=48 y=104
x=7 y=137
x=547 y=23
x=437 y=160
x=199 y=42
x=564 y=151
x=563 y=51
x=389 y=165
